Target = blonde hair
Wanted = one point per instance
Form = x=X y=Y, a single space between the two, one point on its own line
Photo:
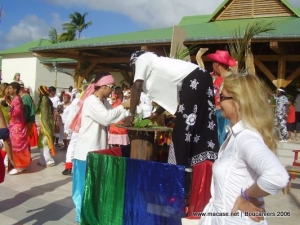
x=3 y=86
x=251 y=101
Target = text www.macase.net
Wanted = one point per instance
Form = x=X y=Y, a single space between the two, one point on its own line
x=268 y=214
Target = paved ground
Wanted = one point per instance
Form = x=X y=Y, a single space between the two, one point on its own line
x=38 y=196
x=43 y=196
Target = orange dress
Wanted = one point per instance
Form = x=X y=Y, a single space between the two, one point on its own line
x=18 y=134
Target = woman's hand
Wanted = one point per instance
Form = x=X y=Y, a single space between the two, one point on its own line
x=249 y=206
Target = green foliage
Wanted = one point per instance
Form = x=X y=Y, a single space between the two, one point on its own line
x=53 y=35
x=182 y=53
x=77 y=24
x=240 y=42
x=140 y=123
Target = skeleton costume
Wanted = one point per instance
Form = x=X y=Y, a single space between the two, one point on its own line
x=281 y=116
x=195 y=137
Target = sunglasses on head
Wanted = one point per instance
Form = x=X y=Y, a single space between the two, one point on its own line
x=222 y=97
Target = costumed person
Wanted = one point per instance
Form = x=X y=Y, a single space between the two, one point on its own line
x=73 y=136
x=5 y=99
x=195 y=137
x=91 y=121
x=291 y=120
x=222 y=62
x=247 y=168
x=45 y=141
x=18 y=131
x=29 y=115
x=65 y=111
x=57 y=119
x=5 y=143
x=297 y=108
x=117 y=136
x=281 y=114
x=5 y=96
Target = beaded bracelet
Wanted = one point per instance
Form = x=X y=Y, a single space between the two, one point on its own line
x=244 y=194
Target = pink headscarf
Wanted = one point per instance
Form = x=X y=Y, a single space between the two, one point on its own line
x=76 y=122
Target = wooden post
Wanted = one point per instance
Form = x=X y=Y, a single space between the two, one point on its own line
x=281 y=71
x=141 y=145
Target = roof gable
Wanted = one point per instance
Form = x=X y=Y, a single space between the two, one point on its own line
x=242 y=9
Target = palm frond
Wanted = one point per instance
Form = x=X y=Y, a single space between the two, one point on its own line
x=240 y=44
x=183 y=52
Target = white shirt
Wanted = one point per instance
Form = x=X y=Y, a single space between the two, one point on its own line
x=65 y=113
x=145 y=105
x=96 y=116
x=72 y=112
x=161 y=75
x=243 y=160
x=55 y=101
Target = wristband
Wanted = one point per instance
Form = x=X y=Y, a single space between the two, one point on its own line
x=244 y=194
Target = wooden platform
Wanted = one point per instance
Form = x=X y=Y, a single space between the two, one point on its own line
x=292 y=170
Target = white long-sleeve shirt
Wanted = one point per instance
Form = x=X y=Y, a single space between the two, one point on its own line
x=72 y=112
x=244 y=159
x=96 y=116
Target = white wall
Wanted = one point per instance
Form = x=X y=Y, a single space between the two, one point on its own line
x=33 y=73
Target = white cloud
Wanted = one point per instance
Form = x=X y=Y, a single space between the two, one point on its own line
x=57 y=22
x=29 y=28
x=153 y=14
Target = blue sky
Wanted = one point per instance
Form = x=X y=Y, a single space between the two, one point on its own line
x=26 y=20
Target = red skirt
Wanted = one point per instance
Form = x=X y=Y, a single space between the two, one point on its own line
x=32 y=134
x=2 y=168
x=22 y=159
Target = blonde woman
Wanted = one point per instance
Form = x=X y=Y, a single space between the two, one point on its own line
x=247 y=168
x=5 y=98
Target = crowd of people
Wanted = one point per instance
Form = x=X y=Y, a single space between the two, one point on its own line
x=222 y=117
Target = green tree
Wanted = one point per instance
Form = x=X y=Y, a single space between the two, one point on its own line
x=77 y=23
x=53 y=35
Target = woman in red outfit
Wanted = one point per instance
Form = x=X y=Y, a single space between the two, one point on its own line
x=117 y=136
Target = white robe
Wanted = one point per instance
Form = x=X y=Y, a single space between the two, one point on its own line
x=96 y=116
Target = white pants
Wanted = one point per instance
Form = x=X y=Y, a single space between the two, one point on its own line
x=45 y=157
x=71 y=147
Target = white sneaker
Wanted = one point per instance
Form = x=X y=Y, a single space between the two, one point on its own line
x=50 y=164
x=15 y=171
x=283 y=141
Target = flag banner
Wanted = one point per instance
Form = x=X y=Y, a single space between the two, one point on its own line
x=121 y=190
x=154 y=193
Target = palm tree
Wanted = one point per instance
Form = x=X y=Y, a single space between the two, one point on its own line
x=70 y=35
x=240 y=44
x=77 y=23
